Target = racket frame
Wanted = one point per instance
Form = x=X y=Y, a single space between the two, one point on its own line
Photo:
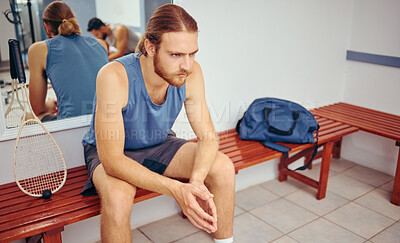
x=29 y=117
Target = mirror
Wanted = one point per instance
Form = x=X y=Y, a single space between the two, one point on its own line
x=22 y=20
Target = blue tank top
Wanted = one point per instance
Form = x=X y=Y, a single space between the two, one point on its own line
x=72 y=65
x=146 y=124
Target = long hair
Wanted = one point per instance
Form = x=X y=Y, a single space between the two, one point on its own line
x=61 y=19
x=167 y=18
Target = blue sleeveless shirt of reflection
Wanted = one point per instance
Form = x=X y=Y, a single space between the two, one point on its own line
x=145 y=123
x=72 y=64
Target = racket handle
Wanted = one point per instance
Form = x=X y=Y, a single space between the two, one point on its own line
x=15 y=55
x=13 y=71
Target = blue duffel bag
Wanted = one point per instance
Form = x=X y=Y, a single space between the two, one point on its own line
x=270 y=120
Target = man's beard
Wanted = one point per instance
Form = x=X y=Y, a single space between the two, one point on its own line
x=172 y=78
x=104 y=36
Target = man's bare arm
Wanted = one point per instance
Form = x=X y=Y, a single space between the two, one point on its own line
x=37 y=55
x=103 y=44
x=112 y=96
x=121 y=35
x=200 y=120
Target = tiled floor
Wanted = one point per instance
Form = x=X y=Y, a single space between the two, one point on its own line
x=356 y=209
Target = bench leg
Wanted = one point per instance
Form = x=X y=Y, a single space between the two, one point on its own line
x=34 y=239
x=53 y=236
x=282 y=176
x=324 y=172
x=396 y=186
x=306 y=159
x=337 y=148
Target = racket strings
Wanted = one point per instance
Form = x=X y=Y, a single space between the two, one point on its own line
x=39 y=165
x=13 y=118
x=15 y=110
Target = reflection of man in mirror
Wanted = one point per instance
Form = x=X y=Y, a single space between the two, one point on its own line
x=130 y=143
x=120 y=39
x=69 y=60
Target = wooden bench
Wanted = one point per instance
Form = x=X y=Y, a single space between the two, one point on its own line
x=372 y=121
x=22 y=216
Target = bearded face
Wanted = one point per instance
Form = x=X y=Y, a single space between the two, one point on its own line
x=174 y=57
x=177 y=78
x=100 y=33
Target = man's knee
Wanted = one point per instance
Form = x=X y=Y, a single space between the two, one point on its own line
x=116 y=198
x=223 y=171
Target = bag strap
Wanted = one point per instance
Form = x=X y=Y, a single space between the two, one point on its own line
x=237 y=128
x=285 y=150
x=275 y=130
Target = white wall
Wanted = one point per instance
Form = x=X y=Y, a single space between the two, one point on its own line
x=376 y=30
x=117 y=12
x=375 y=27
x=287 y=49
x=6 y=29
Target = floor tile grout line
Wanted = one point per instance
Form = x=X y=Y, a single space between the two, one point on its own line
x=345 y=228
x=283 y=196
x=279 y=229
x=267 y=223
x=358 y=179
x=353 y=201
x=374 y=188
x=259 y=185
x=286 y=236
x=382 y=230
x=304 y=225
x=324 y=213
x=395 y=220
x=261 y=204
x=187 y=236
x=240 y=208
x=147 y=237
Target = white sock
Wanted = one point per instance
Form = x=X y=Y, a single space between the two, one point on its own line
x=229 y=240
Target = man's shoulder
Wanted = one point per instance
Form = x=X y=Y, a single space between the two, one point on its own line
x=37 y=47
x=119 y=29
x=112 y=79
x=112 y=72
x=196 y=71
x=120 y=26
x=113 y=68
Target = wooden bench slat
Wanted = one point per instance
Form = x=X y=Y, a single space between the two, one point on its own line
x=368 y=110
x=362 y=125
x=31 y=218
x=26 y=202
x=366 y=115
x=364 y=112
x=38 y=206
x=382 y=122
x=5 y=189
x=48 y=224
x=19 y=196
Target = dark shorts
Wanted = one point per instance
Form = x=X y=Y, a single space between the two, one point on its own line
x=156 y=158
x=49 y=117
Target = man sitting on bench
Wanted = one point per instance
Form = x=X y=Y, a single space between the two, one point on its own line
x=130 y=144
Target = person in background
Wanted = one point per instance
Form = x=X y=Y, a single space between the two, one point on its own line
x=69 y=60
x=120 y=39
x=130 y=143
